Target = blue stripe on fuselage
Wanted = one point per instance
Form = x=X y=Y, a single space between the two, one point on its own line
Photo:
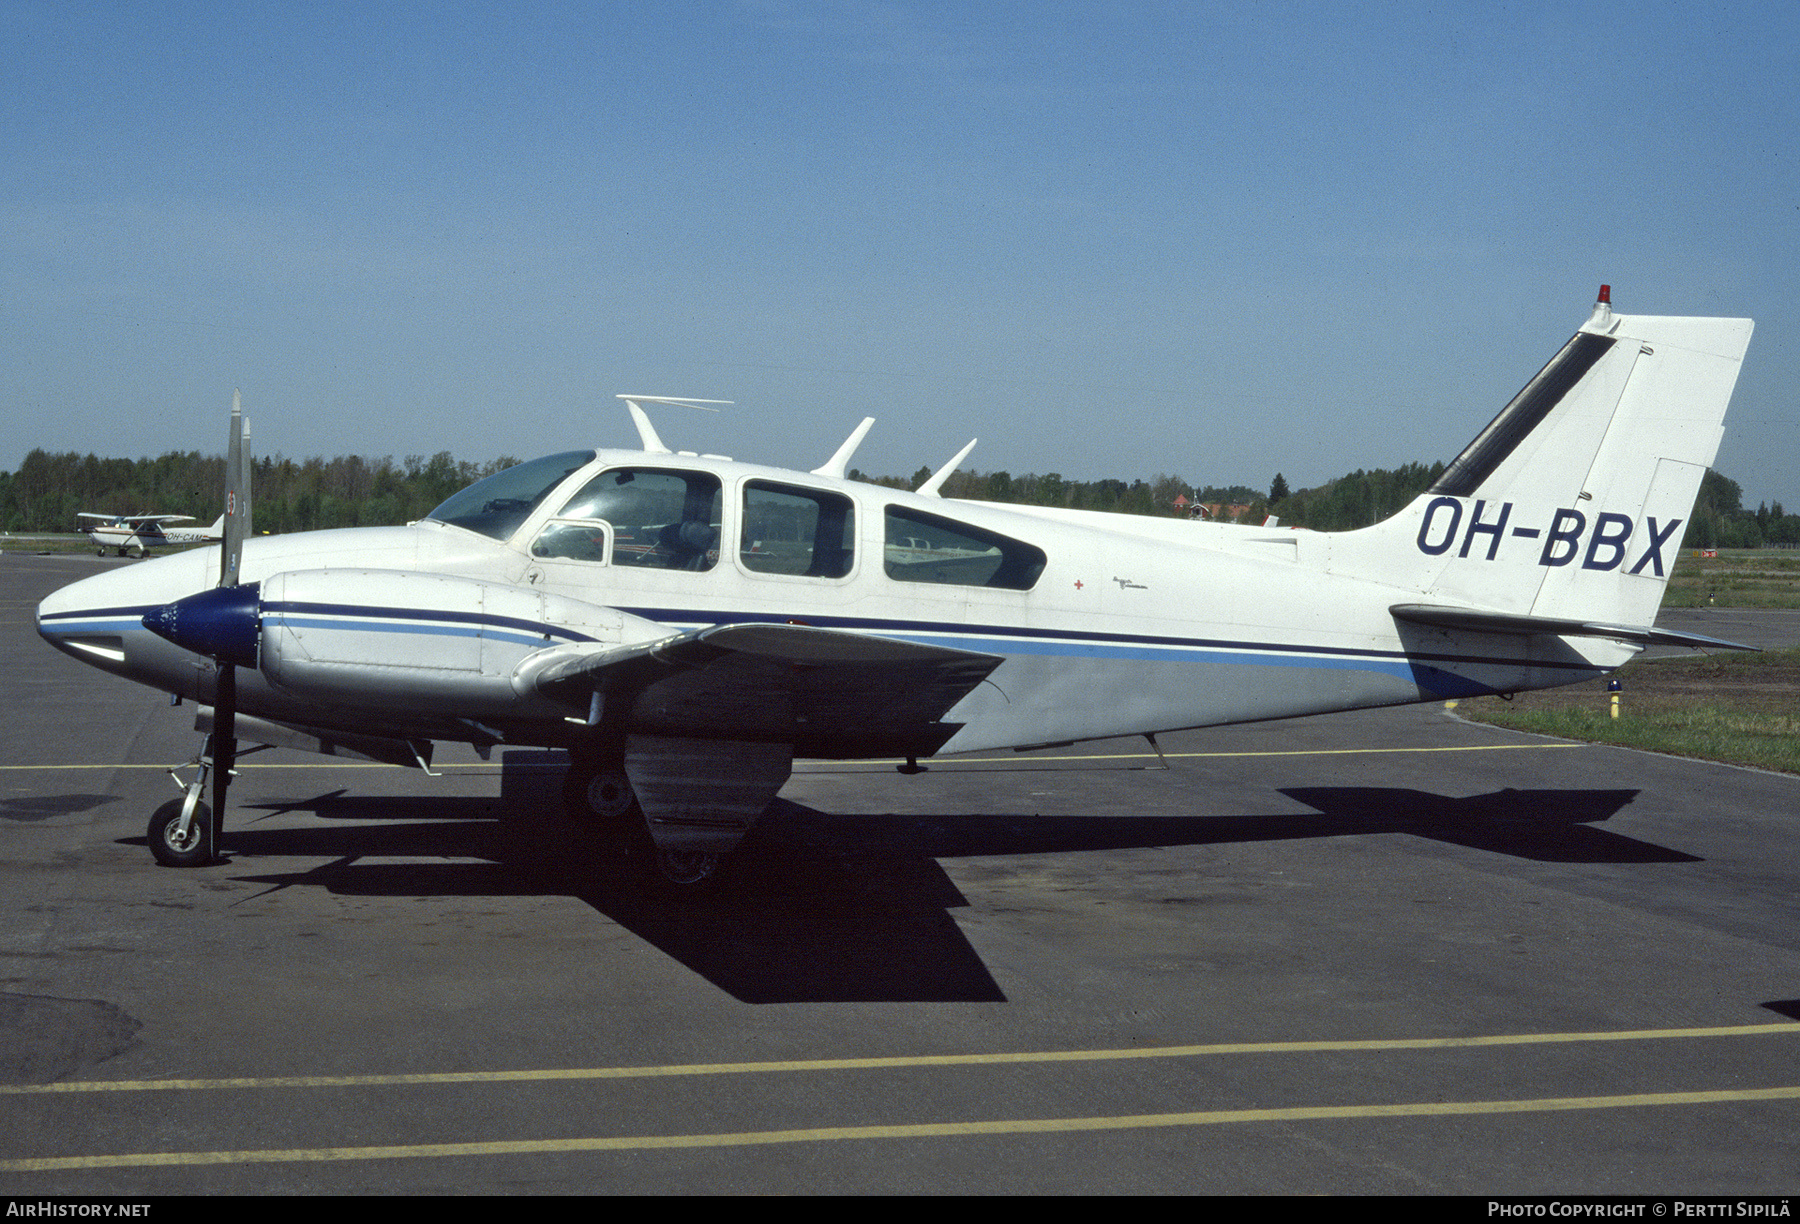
x=484 y=629
x=989 y=639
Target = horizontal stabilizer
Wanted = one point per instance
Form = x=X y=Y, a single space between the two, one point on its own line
x=1524 y=625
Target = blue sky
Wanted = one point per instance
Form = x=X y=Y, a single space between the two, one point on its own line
x=1110 y=239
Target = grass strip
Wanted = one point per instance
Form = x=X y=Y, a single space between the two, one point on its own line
x=1742 y=709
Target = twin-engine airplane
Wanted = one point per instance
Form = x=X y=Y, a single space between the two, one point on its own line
x=136 y=534
x=685 y=625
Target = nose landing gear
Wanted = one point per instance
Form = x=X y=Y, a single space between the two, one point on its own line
x=184 y=832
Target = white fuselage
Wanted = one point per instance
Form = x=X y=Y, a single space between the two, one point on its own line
x=1134 y=625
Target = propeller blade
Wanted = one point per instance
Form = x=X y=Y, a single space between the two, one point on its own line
x=224 y=751
x=237 y=505
x=223 y=622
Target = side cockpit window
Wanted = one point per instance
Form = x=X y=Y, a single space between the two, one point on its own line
x=648 y=517
x=925 y=548
x=574 y=540
x=794 y=530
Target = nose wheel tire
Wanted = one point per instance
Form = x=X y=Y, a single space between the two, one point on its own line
x=169 y=848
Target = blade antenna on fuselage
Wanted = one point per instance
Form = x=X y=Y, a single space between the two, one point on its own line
x=646 y=431
x=836 y=465
x=930 y=487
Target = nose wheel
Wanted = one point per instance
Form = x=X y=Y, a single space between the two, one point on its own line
x=179 y=842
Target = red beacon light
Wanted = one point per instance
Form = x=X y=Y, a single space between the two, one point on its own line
x=1602 y=316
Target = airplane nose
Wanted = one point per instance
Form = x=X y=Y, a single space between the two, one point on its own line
x=223 y=623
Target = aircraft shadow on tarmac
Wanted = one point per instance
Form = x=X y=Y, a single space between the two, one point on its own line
x=1547 y=826
x=24 y=809
x=846 y=908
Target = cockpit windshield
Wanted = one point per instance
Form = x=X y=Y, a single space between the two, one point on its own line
x=496 y=506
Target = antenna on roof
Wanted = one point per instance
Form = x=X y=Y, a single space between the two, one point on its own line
x=646 y=431
x=835 y=465
x=930 y=487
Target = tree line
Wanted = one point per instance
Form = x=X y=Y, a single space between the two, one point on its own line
x=50 y=489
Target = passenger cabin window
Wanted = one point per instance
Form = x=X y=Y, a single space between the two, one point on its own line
x=659 y=520
x=926 y=548
x=793 y=530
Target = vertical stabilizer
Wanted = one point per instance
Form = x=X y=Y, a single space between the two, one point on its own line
x=1572 y=502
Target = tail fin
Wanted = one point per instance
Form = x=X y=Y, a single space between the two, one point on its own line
x=1569 y=506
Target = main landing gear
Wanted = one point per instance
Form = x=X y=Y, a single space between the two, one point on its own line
x=597 y=790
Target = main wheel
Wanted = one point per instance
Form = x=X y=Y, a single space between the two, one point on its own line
x=673 y=874
x=598 y=794
x=689 y=869
x=172 y=850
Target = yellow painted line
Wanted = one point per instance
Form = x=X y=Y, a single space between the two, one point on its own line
x=928 y=1130
x=944 y=763
x=241 y=767
x=913 y=1060
x=1151 y=756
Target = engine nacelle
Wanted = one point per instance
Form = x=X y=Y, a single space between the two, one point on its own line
x=390 y=639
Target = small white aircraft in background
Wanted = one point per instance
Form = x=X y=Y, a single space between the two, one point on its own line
x=685 y=625
x=136 y=534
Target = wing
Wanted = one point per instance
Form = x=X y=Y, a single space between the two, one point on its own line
x=829 y=693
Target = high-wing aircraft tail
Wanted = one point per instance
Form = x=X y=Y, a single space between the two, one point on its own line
x=1564 y=515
